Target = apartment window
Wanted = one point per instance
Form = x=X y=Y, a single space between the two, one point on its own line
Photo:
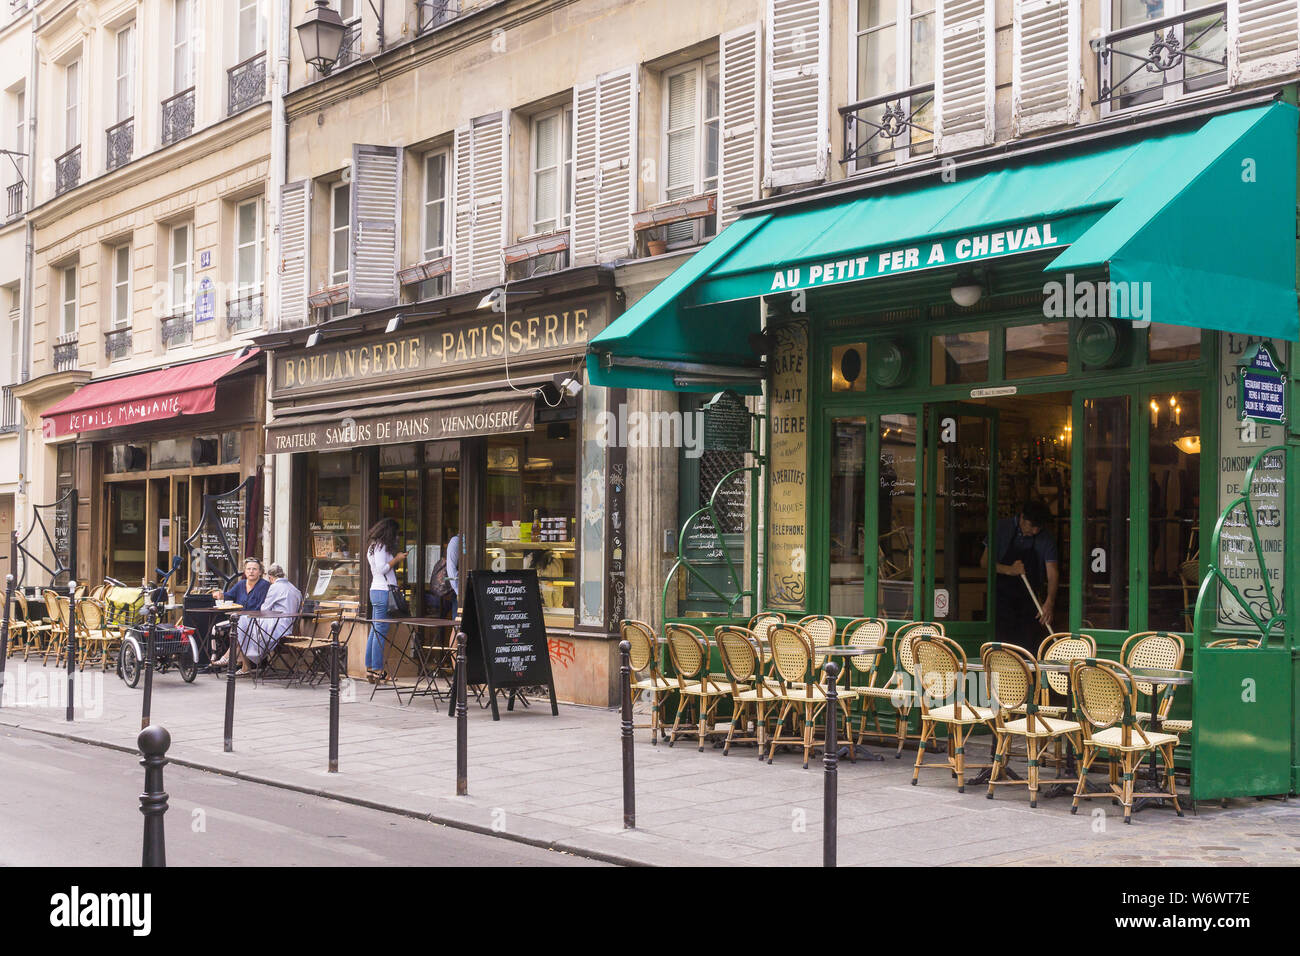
x=182 y=45
x=552 y=170
x=1131 y=73
x=68 y=305
x=181 y=265
x=125 y=78
x=340 y=236
x=435 y=205
x=893 y=52
x=252 y=38
x=121 y=287
x=248 y=247
x=15 y=341
x=691 y=141
x=72 y=105
x=20 y=129
x=347 y=10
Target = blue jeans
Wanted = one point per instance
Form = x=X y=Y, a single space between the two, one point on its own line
x=378 y=631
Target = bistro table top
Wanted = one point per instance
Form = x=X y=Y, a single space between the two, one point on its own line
x=1161 y=675
x=848 y=650
x=423 y=621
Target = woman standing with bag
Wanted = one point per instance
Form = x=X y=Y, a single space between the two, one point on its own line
x=384 y=555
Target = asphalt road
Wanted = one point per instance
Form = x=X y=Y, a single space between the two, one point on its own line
x=68 y=804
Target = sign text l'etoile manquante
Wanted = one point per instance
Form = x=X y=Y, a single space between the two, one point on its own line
x=459 y=345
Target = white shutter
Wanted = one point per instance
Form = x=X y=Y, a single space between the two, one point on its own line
x=376 y=200
x=797 y=141
x=480 y=195
x=1267 y=39
x=964 y=77
x=295 y=254
x=739 y=67
x=604 y=173
x=1045 y=69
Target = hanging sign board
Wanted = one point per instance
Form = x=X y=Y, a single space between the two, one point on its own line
x=507 y=645
x=1262 y=391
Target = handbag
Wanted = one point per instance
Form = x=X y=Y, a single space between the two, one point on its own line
x=397 y=606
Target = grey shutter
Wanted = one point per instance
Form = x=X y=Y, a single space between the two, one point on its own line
x=964 y=77
x=604 y=167
x=480 y=202
x=295 y=254
x=739 y=66
x=796 y=101
x=586 y=173
x=462 y=195
x=1045 y=69
x=1264 y=39
x=376 y=201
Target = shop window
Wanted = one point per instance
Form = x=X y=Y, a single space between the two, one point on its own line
x=896 y=503
x=123 y=458
x=959 y=357
x=399 y=499
x=1173 y=343
x=172 y=453
x=1106 y=512
x=531 y=511
x=1174 y=509
x=1035 y=350
x=847 y=509
x=332 y=549
x=849 y=368
x=552 y=170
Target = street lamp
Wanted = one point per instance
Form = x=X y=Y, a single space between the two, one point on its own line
x=321 y=36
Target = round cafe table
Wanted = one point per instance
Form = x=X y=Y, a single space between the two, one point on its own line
x=848 y=650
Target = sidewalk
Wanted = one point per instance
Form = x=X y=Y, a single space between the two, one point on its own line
x=556 y=781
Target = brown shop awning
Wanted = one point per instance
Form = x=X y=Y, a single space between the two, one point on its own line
x=488 y=413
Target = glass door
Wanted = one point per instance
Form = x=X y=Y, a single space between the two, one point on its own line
x=892 y=523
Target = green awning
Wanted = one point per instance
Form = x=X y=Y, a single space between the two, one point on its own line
x=1184 y=211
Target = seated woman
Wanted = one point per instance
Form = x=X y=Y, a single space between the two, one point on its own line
x=248 y=592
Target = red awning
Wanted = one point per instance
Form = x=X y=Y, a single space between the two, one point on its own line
x=143 y=397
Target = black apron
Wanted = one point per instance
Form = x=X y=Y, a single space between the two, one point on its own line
x=1017 y=616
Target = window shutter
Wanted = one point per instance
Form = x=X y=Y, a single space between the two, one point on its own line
x=376 y=198
x=797 y=141
x=964 y=77
x=1045 y=70
x=604 y=167
x=295 y=258
x=739 y=67
x=480 y=193
x=1267 y=36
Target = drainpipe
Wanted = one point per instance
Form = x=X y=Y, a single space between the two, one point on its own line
x=274 y=544
x=29 y=265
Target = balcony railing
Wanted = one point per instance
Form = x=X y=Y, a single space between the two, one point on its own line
x=121 y=143
x=178 y=117
x=246 y=84
x=1138 y=64
x=15 y=207
x=117 y=344
x=67 y=171
x=65 y=352
x=9 y=419
x=350 y=50
x=177 y=330
x=885 y=128
x=431 y=13
x=244 y=313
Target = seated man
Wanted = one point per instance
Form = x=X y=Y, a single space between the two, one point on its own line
x=281 y=598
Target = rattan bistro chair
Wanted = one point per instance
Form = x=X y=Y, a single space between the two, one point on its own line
x=35 y=633
x=760 y=625
x=95 y=640
x=1155 y=649
x=941 y=675
x=1106 y=699
x=689 y=651
x=803 y=697
x=750 y=691
x=644 y=660
x=1013 y=681
x=56 y=607
x=869 y=632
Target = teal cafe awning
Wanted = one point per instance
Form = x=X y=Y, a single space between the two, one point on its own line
x=1207 y=216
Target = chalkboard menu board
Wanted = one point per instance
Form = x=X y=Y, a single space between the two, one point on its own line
x=507 y=646
x=215 y=547
x=726 y=423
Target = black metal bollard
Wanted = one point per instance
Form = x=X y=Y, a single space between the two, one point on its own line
x=334 y=693
x=462 y=719
x=150 y=647
x=629 y=765
x=830 y=799
x=4 y=633
x=153 y=743
x=229 y=742
x=71 y=644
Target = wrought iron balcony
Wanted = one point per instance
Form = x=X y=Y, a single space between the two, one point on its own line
x=9 y=418
x=350 y=49
x=121 y=144
x=885 y=128
x=67 y=171
x=15 y=208
x=177 y=329
x=1188 y=52
x=432 y=13
x=244 y=313
x=65 y=352
x=246 y=84
x=117 y=344
x=178 y=117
